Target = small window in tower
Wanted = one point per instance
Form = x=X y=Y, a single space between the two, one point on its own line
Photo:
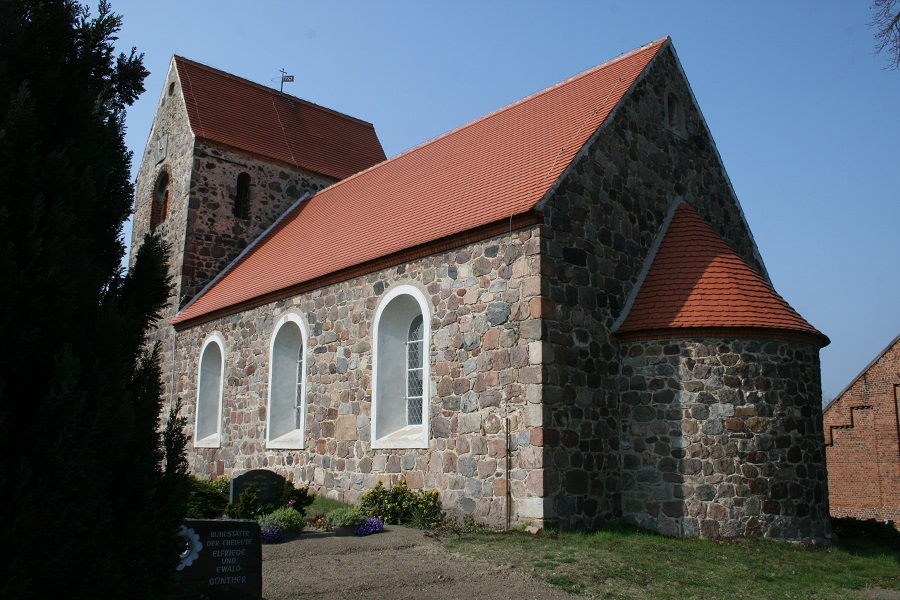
x=159 y=209
x=171 y=88
x=674 y=114
x=242 y=197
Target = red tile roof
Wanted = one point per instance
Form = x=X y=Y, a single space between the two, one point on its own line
x=235 y=112
x=697 y=282
x=483 y=173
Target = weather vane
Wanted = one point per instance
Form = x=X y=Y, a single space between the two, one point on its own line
x=285 y=78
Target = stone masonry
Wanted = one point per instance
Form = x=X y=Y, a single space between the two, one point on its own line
x=200 y=228
x=539 y=414
x=720 y=438
x=602 y=221
x=485 y=364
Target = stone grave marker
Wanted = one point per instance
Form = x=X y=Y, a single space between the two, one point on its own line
x=269 y=483
x=222 y=560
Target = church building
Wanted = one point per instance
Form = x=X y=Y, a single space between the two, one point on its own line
x=553 y=315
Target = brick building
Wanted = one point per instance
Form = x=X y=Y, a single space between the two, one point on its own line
x=862 y=442
x=555 y=314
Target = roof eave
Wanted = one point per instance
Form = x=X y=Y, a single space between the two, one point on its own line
x=818 y=339
x=516 y=222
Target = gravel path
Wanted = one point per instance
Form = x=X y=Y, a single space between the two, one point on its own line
x=396 y=564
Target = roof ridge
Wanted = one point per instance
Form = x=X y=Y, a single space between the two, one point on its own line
x=443 y=175
x=502 y=109
x=534 y=95
x=245 y=81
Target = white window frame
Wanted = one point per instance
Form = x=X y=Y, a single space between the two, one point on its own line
x=295 y=439
x=212 y=440
x=410 y=436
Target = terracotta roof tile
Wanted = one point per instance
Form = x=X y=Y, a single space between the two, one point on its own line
x=235 y=112
x=489 y=170
x=697 y=281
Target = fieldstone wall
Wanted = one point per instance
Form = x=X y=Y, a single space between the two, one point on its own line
x=171 y=129
x=723 y=438
x=537 y=411
x=201 y=230
x=214 y=235
x=485 y=355
x=601 y=222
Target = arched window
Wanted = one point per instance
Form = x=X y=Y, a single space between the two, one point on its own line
x=208 y=425
x=401 y=367
x=242 y=197
x=159 y=209
x=286 y=422
x=674 y=114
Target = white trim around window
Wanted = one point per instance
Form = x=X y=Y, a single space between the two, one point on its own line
x=210 y=393
x=391 y=421
x=286 y=414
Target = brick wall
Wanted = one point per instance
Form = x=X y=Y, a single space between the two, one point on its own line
x=862 y=443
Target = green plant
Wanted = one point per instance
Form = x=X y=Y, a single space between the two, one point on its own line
x=399 y=504
x=464 y=526
x=85 y=356
x=208 y=499
x=288 y=519
x=247 y=506
x=425 y=510
x=296 y=498
x=322 y=505
x=348 y=516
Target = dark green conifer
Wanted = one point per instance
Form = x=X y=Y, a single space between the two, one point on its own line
x=89 y=495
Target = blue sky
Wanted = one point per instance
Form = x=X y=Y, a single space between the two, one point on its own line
x=802 y=112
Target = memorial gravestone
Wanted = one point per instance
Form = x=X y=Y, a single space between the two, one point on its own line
x=222 y=560
x=269 y=484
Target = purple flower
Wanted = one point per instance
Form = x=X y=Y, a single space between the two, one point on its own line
x=372 y=525
x=274 y=535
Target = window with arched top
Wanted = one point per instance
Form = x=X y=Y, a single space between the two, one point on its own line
x=674 y=114
x=241 y=208
x=159 y=208
x=286 y=419
x=208 y=418
x=401 y=370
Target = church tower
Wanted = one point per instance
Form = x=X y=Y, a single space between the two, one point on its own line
x=227 y=157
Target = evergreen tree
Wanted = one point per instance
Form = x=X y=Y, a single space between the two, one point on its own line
x=90 y=495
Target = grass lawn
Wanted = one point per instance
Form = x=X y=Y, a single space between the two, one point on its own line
x=322 y=505
x=621 y=562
